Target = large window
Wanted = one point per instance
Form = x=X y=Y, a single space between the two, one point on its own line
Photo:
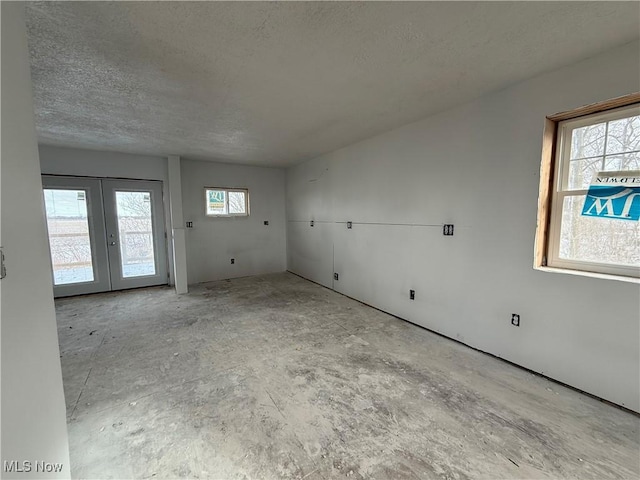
x=595 y=193
x=226 y=202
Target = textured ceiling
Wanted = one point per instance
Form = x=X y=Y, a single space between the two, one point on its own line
x=271 y=83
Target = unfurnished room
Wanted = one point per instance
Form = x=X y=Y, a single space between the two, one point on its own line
x=320 y=240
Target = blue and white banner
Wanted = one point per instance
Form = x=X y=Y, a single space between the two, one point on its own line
x=614 y=195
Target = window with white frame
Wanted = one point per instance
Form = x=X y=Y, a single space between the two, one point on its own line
x=605 y=241
x=226 y=202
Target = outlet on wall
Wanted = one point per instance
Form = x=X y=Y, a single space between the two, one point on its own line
x=515 y=319
x=412 y=294
x=233 y=261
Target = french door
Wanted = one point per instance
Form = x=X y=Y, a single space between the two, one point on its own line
x=104 y=234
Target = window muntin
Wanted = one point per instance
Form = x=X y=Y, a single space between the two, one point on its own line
x=226 y=202
x=587 y=145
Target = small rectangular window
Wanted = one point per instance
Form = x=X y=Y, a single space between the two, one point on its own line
x=226 y=202
x=599 y=238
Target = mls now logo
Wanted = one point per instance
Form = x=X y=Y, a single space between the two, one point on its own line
x=27 y=466
x=608 y=201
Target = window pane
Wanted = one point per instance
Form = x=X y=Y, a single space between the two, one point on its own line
x=594 y=239
x=216 y=202
x=588 y=141
x=237 y=203
x=69 y=241
x=581 y=172
x=627 y=161
x=624 y=135
x=135 y=228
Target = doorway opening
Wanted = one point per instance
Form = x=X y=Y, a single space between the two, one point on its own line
x=104 y=234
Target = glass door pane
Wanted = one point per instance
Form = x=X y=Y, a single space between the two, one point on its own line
x=70 y=246
x=77 y=244
x=135 y=228
x=134 y=218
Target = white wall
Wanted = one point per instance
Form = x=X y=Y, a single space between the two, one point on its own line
x=179 y=235
x=476 y=166
x=94 y=163
x=33 y=410
x=212 y=242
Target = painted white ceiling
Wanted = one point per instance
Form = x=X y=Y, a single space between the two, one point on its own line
x=272 y=83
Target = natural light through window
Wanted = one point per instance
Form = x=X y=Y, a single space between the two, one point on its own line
x=226 y=202
x=69 y=242
x=594 y=152
x=135 y=227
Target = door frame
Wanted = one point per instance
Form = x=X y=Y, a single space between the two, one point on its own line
x=97 y=234
x=97 y=222
x=118 y=281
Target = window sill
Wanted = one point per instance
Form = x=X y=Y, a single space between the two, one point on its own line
x=603 y=276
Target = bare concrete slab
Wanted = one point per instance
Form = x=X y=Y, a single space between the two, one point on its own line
x=276 y=377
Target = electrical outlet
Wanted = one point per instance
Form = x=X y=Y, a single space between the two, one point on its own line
x=515 y=319
x=447 y=229
x=189 y=224
x=335 y=276
x=311 y=223
x=412 y=294
x=233 y=261
x=266 y=222
x=349 y=225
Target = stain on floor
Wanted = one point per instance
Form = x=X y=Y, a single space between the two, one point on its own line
x=272 y=377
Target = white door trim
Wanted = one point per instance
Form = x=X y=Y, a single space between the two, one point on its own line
x=102 y=221
x=97 y=237
x=118 y=280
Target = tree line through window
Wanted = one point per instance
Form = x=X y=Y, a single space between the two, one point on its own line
x=607 y=141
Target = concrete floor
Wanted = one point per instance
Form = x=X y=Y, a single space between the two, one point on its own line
x=276 y=377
